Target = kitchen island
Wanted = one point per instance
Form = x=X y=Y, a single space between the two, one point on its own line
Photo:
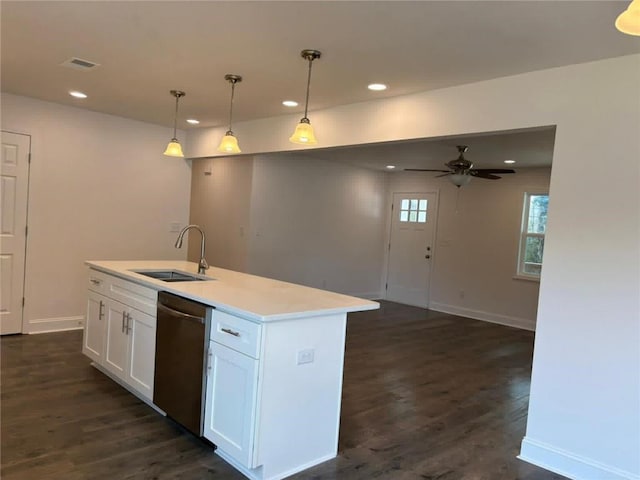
x=273 y=386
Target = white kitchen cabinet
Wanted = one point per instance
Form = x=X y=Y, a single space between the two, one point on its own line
x=94 y=327
x=120 y=331
x=130 y=346
x=273 y=392
x=231 y=402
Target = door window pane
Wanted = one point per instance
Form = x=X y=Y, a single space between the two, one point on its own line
x=413 y=210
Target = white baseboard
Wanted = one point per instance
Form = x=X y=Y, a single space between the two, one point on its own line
x=55 y=324
x=517 y=322
x=568 y=464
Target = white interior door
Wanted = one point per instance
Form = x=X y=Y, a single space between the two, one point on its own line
x=14 y=181
x=411 y=247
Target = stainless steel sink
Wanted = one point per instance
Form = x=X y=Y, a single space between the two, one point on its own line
x=172 y=275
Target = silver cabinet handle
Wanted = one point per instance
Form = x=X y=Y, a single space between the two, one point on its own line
x=128 y=326
x=209 y=355
x=123 y=314
x=230 y=332
x=101 y=311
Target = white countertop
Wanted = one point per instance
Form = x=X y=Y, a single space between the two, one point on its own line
x=252 y=297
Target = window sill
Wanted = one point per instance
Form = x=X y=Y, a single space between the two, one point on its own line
x=527 y=278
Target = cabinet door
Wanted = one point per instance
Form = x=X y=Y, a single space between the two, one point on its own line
x=141 y=329
x=94 y=327
x=117 y=341
x=232 y=381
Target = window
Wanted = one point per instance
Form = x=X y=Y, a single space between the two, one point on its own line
x=413 y=210
x=534 y=226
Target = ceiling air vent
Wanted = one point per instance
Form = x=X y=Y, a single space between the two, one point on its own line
x=79 y=64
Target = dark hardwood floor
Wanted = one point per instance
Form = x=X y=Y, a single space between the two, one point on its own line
x=426 y=396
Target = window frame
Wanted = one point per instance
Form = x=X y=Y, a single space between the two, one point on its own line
x=521 y=274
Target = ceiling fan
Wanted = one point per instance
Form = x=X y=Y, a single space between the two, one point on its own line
x=461 y=170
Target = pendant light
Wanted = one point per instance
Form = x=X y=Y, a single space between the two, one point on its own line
x=629 y=21
x=303 y=133
x=229 y=143
x=174 y=149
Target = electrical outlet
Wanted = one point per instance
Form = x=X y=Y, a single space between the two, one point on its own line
x=461 y=294
x=305 y=356
x=174 y=227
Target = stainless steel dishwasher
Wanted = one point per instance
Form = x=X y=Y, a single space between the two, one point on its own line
x=182 y=338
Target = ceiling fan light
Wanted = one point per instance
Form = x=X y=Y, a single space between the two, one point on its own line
x=629 y=21
x=459 y=179
x=174 y=149
x=229 y=143
x=303 y=134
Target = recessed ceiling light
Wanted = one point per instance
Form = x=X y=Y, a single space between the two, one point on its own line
x=193 y=121
x=290 y=103
x=76 y=94
x=391 y=167
x=509 y=161
x=377 y=87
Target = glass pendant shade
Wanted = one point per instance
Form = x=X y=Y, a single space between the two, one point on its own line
x=629 y=21
x=174 y=149
x=303 y=134
x=459 y=179
x=229 y=143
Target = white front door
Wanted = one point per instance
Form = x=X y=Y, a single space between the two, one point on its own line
x=411 y=247
x=14 y=181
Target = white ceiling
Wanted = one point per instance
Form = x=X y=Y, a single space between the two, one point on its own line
x=147 y=48
x=529 y=148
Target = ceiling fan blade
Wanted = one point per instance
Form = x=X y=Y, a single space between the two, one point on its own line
x=480 y=174
x=443 y=175
x=423 y=170
x=494 y=170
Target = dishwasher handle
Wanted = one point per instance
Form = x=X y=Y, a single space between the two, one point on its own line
x=177 y=313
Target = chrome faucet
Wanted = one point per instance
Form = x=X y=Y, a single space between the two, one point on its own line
x=202 y=264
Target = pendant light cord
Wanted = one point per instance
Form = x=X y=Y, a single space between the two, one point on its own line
x=306 y=102
x=233 y=88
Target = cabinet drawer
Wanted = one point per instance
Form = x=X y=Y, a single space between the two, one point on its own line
x=98 y=281
x=125 y=291
x=236 y=333
x=132 y=294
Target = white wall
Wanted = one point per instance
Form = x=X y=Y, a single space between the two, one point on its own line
x=317 y=223
x=476 y=248
x=584 y=418
x=99 y=189
x=220 y=204
x=292 y=218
